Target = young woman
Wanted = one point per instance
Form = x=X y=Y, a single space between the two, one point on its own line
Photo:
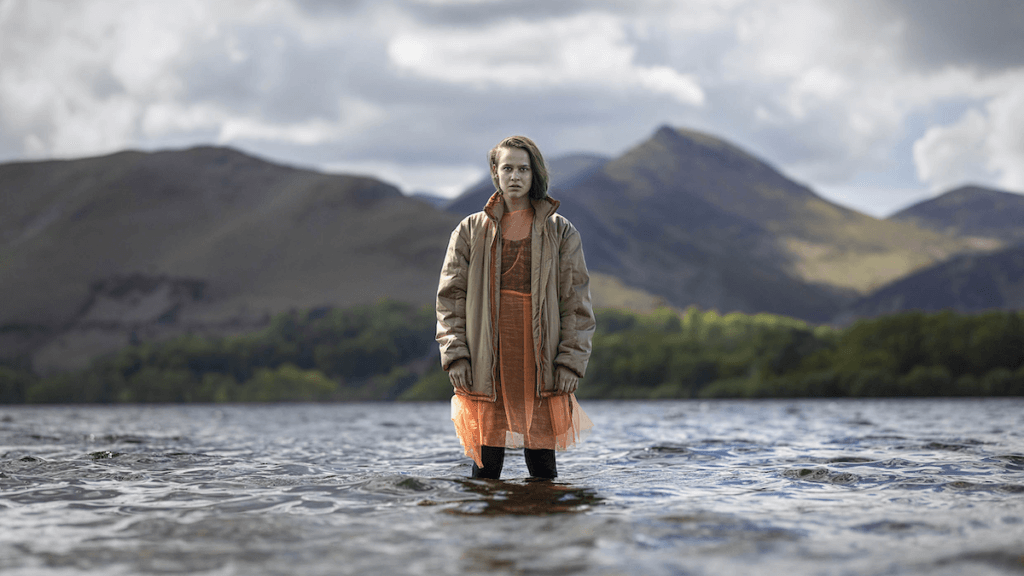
x=514 y=319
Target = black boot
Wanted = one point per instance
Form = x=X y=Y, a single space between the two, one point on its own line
x=494 y=459
x=541 y=463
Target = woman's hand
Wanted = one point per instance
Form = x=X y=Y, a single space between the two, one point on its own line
x=460 y=374
x=566 y=380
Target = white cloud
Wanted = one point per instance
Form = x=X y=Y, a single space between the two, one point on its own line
x=134 y=52
x=589 y=49
x=983 y=146
x=1006 y=136
x=665 y=80
x=87 y=78
x=823 y=76
x=947 y=156
x=837 y=90
x=833 y=92
x=76 y=76
x=354 y=115
x=306 y=133
x=689 y=16
x=443 y=180
x=161 y=118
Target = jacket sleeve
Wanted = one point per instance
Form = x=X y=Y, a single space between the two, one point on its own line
x=574 y=307
x=451 y=299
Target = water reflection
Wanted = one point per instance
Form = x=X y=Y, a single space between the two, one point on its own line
x=524 y=498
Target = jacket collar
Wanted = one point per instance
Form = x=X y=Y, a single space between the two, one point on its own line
x=495 y=207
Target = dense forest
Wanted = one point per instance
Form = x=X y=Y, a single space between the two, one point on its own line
x=387 y=352
x=702 y=354
x=324 y=354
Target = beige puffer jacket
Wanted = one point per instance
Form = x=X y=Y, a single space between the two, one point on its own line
x=468 y=293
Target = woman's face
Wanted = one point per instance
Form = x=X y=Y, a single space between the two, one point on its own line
x=515 y=175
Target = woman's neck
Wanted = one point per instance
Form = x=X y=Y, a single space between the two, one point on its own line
x=515 y=204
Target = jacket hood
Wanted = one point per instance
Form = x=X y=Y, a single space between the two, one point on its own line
x=495 y=207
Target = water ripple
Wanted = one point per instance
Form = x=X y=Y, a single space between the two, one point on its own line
x=804 y=487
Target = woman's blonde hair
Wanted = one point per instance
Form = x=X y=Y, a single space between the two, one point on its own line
x=539 y=185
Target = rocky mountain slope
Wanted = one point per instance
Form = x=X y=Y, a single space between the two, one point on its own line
x=100 y=250
x=967 y=283
x=695 y=220
x=971 y=211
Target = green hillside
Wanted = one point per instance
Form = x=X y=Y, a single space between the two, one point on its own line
x=971 y=211
x=967 y=283
x=813 y=240
x=135 y=247
x=259 y=238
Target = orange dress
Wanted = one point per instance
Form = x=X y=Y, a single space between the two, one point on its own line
x=518 y=417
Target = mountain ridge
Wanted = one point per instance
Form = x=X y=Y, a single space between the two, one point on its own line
x=98 y=252
x=694 y=219
x=966 y=283
x=261 y=237
x=971 y=210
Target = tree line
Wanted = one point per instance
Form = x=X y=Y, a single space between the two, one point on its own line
x=705 y=355
x=386 y=351
x=322 y=354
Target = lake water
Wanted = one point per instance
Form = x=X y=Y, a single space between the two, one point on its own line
x=678 y=487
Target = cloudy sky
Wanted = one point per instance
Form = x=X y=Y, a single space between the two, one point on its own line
x=873 y=103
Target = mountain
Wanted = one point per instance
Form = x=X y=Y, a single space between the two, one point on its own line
x=434 y=200
x=971 y=211
x=97 y=251
x=696 y=220
x=134 y=246
x=818 y=241
x=967 y=283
